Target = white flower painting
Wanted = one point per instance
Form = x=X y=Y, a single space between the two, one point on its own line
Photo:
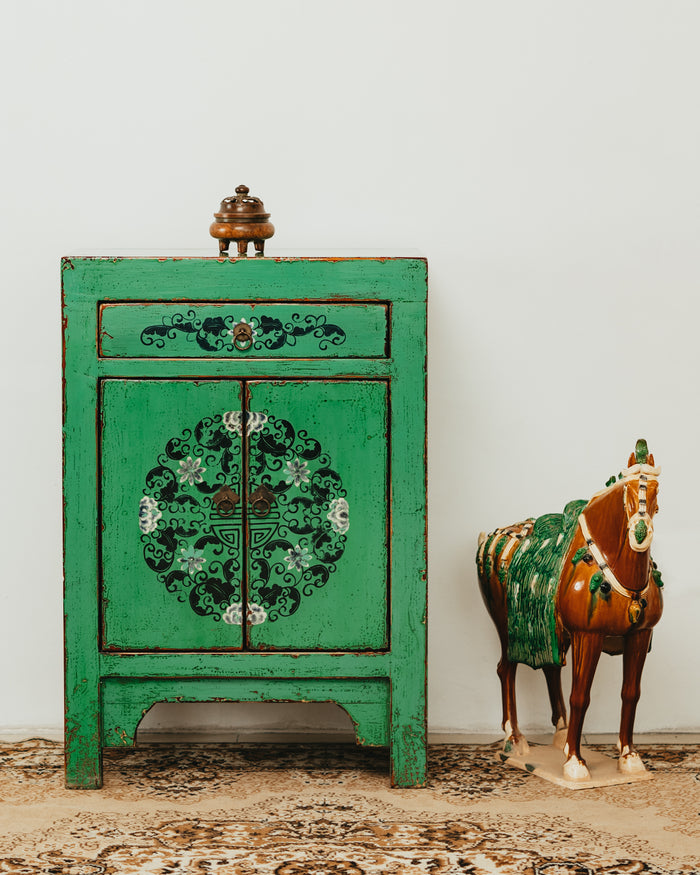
x=191 y=560
x=233 y=421
x=297 y=472
x=298 y=558
x=191 y=471
x=339 y=515
x=255 y=614
x=148 y=514
x=233 y=615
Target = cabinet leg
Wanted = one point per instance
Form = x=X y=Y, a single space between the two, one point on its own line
x=409 y=766
x=408 y=747
x=83 y=754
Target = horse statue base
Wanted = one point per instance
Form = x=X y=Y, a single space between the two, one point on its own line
x=547 y=761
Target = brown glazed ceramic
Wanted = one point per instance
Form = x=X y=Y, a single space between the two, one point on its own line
x=242 y=220
x=583 y=579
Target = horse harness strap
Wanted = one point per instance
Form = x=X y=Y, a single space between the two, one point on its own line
x=605 y=569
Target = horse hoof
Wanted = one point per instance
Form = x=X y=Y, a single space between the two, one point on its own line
x=560 y=734
x=576 y=770
x=516 y=747
x=630 y=763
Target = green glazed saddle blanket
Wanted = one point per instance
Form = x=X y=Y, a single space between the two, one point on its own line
x=533 y=578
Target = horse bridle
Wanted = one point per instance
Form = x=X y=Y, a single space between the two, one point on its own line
x=644 y=473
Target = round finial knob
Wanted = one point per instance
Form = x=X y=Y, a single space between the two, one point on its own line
x=242 y=189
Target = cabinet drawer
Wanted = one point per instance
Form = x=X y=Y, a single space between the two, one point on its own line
x=238 y=329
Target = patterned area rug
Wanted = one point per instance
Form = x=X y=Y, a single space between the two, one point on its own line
x=329 y=810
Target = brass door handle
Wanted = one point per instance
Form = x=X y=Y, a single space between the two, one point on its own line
x=261 y=500
x=225 y=501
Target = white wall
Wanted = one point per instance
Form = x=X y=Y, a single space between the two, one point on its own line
x=543 y=155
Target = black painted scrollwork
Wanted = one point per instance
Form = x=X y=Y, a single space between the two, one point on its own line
x=179 y=536
x=309 y=540
x=191 y=520
x=226 y=334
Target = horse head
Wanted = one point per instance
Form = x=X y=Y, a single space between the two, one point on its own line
x=641 y=484
x=618 y=521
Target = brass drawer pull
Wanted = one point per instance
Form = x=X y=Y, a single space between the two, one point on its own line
x=261 y=500
x=242 y=336
x=225 y=501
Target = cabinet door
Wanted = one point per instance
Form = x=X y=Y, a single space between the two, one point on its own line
x=258 y=528
x=172 y=523
x=318 y=542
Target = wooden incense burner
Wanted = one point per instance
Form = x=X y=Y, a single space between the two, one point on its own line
x=242 y=220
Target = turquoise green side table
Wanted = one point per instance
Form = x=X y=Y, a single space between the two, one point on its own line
x=244 y=493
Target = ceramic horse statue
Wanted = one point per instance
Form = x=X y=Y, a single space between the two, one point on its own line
x=583 y=579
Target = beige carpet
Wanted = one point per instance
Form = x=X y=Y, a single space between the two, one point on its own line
x=329 y=810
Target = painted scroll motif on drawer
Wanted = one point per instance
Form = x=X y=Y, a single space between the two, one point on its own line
x=234 y=330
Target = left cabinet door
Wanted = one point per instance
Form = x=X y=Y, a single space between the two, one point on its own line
x=171 y=515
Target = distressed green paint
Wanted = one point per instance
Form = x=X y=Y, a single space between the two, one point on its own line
x=83 y=764
x=346 y=423
x=408 y=576
x=139 y=418
x=126 y=700
x=360 y=638
x=258 y=664
x=186 y=279
x=287 y=331
x=342 y=423
x=533 y=578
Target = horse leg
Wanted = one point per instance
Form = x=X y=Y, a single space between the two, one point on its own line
x=635 y=653
x=514 y=742
x=556 y=698
x=586 y=648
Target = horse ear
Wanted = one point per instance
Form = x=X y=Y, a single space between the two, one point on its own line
x=631 y=460
x=641 y=452
x=651 y=460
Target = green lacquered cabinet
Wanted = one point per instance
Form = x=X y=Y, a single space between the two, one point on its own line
x=244 y=493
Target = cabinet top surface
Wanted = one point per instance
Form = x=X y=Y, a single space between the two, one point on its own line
x=280 y=255
x=360 y=277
